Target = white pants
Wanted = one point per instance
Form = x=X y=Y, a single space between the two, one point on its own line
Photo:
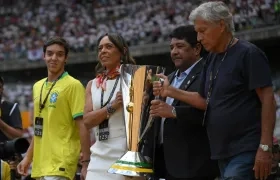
x=52 y=178
x=93 y=176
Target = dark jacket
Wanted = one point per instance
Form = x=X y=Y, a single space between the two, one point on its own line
x=10 y=114
x=186 y=145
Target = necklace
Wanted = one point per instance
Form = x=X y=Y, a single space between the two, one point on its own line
x=213 y=79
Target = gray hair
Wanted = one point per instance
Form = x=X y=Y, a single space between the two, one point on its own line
x=214 y=12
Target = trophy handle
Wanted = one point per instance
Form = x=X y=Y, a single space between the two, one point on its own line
x=138 y=84
x=151 y=119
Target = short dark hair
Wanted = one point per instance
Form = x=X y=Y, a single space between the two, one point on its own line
x=57 y=40
x=186 y=33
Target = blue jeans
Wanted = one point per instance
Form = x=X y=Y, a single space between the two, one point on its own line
x=239 y=167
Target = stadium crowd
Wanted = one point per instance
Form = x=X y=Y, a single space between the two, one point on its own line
x=25 y=25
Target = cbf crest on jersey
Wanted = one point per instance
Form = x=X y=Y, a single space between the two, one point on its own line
x=53 y=99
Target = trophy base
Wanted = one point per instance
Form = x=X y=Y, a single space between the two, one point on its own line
x=131 y=164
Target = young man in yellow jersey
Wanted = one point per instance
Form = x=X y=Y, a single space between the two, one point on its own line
x=58 y=120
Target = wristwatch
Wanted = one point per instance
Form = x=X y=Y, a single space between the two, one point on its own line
x=265 y=148
x=110 y=110
x=174 y=111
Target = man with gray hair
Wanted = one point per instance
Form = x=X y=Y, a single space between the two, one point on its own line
x=236 y=94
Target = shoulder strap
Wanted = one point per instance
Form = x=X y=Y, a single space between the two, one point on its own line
x=13 y=108
x=8 y=108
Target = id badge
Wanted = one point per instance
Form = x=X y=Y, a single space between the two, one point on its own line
x=104 y=130
x=38 y=129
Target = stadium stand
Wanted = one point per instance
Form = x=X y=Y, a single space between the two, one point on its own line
x=25 y=25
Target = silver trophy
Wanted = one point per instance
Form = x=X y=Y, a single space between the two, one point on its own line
x=137 y=91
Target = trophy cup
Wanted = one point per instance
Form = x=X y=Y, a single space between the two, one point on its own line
x=137 y=90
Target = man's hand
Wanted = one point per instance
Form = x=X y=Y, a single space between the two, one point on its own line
x=84 y=170
x=23 y=166
x=160 y=89
x=2 y=124
x=263 y=163
x=161 y=109
x=84 y=165
x=13 y=164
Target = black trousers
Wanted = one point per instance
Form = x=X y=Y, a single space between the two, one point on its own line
x=161 y=171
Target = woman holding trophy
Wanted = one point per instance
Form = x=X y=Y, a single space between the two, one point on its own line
x=104 y=108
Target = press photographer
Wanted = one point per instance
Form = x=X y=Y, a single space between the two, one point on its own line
x=11 y=151
x=10 y=118
x=10 y=129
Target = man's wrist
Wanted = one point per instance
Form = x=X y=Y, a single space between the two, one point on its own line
x=2 y=125
x=85 y=165
x=85 y=162
x=268 y=144
x=267 y=141
x=169 y=91
x=28 y=158
x=265 y=147
x=174 y=113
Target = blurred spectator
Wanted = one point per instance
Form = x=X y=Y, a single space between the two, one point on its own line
x=19 y=93
x=10 y=118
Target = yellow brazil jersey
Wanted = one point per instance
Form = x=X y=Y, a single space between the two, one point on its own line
x=56 y=152
x=5 y=171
